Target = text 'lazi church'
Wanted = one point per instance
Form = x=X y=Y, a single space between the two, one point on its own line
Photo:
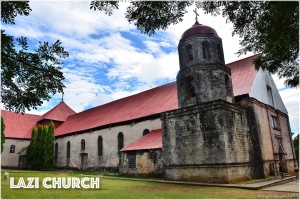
x=217 y=123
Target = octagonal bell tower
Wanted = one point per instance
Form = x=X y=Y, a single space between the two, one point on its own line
x=203 y=75
x=207 y=138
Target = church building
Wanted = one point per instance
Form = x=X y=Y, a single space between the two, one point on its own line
x=218 y=122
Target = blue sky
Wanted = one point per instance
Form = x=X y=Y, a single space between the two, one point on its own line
x=110 y=59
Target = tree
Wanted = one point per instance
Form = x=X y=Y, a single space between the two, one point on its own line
x=40 y=152
x=27 y=76
x=30 y=155
x=266 y=27
x=49 y=147
x=296 y=147
x=2 y=134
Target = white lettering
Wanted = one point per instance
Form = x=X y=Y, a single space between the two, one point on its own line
x=68 y=184
x=45 y=182
x=21 y=183
x=95 y=182
x=12 y=183
x=56 y=182
x=75 y=183
x=83 y=182
x=30 y=181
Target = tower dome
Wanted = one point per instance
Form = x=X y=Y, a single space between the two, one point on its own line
x=198 y=29
x=203 y=76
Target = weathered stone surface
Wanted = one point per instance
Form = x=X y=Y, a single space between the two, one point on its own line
x=271 y=146
x=148 y=162
x=207 y=142
x=203 y=75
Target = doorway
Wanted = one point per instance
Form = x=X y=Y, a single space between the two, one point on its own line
x=84 y=161
x=22 y=162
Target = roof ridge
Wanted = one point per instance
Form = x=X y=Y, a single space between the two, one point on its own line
x=242 y=59
x=20 y=113
x=139 y=93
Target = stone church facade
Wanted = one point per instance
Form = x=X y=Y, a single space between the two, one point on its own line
x=216 y=123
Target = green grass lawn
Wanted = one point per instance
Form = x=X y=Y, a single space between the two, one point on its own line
x=124 y=189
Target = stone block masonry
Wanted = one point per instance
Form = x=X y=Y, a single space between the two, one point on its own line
x=208 y=142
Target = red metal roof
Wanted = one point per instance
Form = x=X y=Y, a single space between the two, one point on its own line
x=146 y=103
x=152 y=140
x=243 y=74
x=18 y=125
x=59 y=112
x=153 y=101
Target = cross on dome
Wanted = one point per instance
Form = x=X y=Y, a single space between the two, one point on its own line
x=195 y=11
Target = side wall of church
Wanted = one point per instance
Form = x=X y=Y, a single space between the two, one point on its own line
x=11 y=160
x=273 y=144
x=147 y=162
x=110 y=157
x=260 y=92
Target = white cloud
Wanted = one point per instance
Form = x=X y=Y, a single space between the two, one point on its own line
x=105 y=65
x=290 y=98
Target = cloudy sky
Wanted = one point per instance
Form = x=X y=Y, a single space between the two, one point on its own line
x=110 y=59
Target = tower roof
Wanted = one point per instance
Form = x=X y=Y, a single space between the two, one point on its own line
x=198 y=29
x=59 y=112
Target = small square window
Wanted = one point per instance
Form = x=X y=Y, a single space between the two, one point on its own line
x=132 y=161
x=275 y=122
x=12 y=149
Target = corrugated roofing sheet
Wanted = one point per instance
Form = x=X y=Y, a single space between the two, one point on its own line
x=243 y=73
x=152 y=140
x=19 y=125
x=146 y=103
x=59 y=112
x=153 y=101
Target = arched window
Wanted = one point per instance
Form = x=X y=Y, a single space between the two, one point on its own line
x=120 y=141
x=190 y=86
x=12 y=148
x=220 y=52
x=100 y=146
x=189 y=50
x=68 y=149
x=227 y=85
x=82 y=144
x=145 y=132
x=205 y=50
x=56 y=151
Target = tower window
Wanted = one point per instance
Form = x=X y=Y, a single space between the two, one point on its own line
x=120 y=141
x=12 y=148
x=205 y=49
x=82 y=144
x=227 y=85
x=145 y=132
x=190 y=86
x=220 y=52
x=68 y=149
x=270 y=95
x=189 y=50
x=100 y=146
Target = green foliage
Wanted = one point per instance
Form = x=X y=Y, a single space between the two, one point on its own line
x=2 y=134
x=296 y=146
x=266 y=27
x=49 y=148
x=27 y=77
x=40 y=152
